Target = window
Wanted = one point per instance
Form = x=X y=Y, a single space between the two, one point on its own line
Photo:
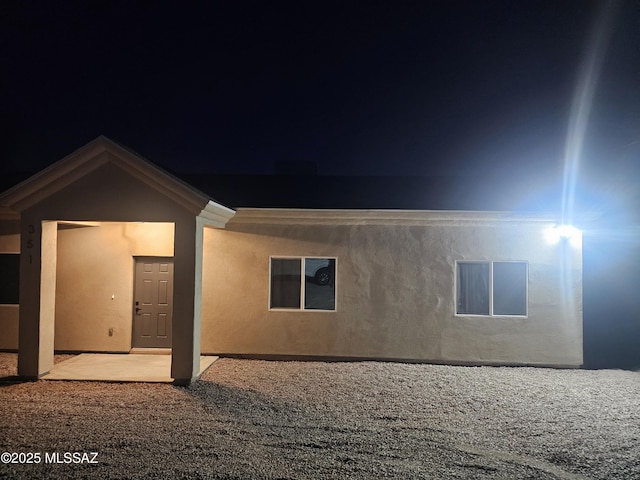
x=491 y=288
x=9 y=278
x=289 y=291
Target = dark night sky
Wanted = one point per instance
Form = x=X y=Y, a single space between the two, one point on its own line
x=360 y=88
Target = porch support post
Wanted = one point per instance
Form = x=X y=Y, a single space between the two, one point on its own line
x=187 y=299
x=38 y=259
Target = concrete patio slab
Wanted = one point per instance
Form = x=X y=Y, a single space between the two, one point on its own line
x=110 y=367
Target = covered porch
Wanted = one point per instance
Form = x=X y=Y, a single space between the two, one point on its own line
x=63 y=210
x=112 y=367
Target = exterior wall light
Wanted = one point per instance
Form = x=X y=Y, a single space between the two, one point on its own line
x=567 y=233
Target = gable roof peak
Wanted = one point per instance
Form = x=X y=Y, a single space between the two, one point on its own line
x=86 y=159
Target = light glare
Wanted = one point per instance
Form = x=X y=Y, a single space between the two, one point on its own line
x=570 y=233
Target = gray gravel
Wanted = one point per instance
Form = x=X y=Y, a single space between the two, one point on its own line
x=311 y=420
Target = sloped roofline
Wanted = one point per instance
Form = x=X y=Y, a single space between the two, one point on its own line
x=293 y=216
x=91 y=156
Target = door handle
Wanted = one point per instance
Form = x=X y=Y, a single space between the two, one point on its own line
x=138 y=309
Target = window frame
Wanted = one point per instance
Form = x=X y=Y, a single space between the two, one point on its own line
x=303 y=259
x=491 y=289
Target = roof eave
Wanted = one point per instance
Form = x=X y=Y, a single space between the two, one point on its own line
x=216 y=215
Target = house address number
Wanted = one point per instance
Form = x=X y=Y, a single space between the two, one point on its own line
x=31 y=229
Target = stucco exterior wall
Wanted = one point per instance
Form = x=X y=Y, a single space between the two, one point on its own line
x=94 y=292
x=9 y=236
x=9 y=321
x=395 y=284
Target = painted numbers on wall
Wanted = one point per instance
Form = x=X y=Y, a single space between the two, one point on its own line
x=30 y=230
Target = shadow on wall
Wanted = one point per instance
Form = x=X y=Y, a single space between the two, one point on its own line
x=611 y=303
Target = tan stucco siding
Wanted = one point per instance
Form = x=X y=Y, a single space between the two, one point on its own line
x=395 y=293
x=9 y=236
x=9 y=327
x=95 y=282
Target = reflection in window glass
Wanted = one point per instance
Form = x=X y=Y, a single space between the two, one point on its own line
x=504 y=283
x=509 y=288
x=319 y=284
x=318 y=289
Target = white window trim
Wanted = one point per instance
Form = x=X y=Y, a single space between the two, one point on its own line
x=302 y=259
x=491 y=314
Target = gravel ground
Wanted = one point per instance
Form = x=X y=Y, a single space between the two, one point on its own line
x=248 y=419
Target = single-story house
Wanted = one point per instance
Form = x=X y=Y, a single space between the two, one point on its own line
x=115 y=254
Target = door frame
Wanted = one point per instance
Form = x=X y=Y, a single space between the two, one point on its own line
x=155 y=259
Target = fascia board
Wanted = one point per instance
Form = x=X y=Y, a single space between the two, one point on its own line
x=277 y=216
x=216 y=215
x=88 y=158
x=53 y=178
x=191 y=199
x=43 y=187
